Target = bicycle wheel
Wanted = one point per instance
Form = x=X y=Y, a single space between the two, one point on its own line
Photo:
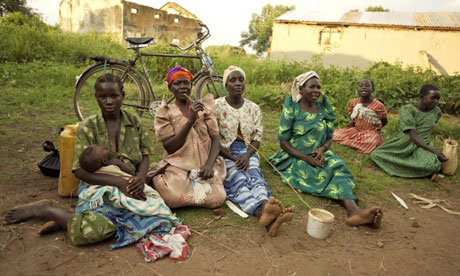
x=85 y=103
x=205 y=86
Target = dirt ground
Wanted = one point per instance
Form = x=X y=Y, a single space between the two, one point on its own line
x=411 y=242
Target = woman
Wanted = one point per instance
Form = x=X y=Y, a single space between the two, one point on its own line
x=368 y=116
x=305 y=135
x=190 y=136
x=125 y=139
x=410 y=153
x=240 y=121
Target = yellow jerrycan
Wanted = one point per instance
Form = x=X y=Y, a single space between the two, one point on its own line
x=68 y=183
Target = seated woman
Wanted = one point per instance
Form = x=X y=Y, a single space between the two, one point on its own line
x=410 y=153
x=368 y=116
x=240 y=120
x=190 y=136
x=305 y=134
x=123 y=136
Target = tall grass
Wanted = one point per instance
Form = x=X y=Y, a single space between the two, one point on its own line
x=27 y=39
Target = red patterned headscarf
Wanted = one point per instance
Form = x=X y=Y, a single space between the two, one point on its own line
x=178 y=72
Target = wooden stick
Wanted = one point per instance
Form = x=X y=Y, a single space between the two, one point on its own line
x=217 y=260
x=224 y=246
x=265 y=158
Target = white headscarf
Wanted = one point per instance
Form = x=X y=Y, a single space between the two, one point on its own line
x=298 y=82
x=231 y=69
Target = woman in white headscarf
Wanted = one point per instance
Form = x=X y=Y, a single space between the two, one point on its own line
x=305 y=134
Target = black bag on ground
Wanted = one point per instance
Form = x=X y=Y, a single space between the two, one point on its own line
x=50 y=165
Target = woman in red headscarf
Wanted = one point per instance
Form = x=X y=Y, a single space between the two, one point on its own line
x=191 y=173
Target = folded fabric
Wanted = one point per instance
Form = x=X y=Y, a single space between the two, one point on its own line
x=152 y=206
x=155 y=247
x=200 y=187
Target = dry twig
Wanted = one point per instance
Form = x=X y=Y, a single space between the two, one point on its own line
x=224 y=246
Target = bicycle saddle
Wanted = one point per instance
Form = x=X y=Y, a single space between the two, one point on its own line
x=139 y=40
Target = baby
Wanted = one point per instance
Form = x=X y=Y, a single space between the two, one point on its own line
x=96 y=159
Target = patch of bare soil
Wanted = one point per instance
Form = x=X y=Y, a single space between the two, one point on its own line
x=411 y=242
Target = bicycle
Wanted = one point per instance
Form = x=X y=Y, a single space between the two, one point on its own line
x=137 y=85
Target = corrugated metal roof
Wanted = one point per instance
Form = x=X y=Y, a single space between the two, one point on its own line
x=450 y=20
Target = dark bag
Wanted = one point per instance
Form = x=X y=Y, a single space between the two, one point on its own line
x=50 y=165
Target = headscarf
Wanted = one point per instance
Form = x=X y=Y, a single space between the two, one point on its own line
x=298 y=82
x=178 y=72
x=231 y=69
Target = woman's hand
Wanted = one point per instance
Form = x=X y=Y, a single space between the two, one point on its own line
x=242 y=162
x=312 y=161
x=319 y=155
x=206 y=172
x=136 y=187
x=195 y=107
x=441 y=156
x=123 y=185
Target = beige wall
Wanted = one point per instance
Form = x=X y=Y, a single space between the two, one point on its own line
x=82 y=16
x=360 y=46
x=159 y=24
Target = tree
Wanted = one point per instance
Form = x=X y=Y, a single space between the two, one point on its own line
x=260 y=27
x=10 y=6
x=376 y=9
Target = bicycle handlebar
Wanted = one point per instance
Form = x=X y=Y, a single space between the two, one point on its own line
x=196 y=42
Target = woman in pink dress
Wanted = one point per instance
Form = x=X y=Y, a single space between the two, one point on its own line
x=368 y=115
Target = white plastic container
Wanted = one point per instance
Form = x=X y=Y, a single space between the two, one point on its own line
x=319 y=223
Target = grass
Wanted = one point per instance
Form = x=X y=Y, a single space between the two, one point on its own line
x=37 y=100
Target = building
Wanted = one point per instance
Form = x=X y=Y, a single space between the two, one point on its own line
x=127 y=19
x=426 y=39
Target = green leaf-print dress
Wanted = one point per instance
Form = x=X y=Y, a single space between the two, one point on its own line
x=306 y=132
x=400 y=156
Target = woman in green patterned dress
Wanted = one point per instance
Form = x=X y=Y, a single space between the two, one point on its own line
x=305 y=134
x=410 y=153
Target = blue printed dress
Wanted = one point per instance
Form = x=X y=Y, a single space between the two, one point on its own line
x=306 y=132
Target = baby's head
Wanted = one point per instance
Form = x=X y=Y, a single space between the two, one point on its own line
x=93 y=158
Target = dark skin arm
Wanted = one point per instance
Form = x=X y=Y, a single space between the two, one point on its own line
x=292 y=151
x=173 y=143
x=319 y=151
x=105 y=180
x=419 y=142
x=206 y=171
x=242 y=162
x=384 y=121
x=136 y=186
x=122 y=166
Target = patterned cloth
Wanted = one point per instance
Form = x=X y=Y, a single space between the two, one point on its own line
x=306 y=132
x=133 y=140
x=155 y=247
x=248 y=118
x=130 y=226
x=365 y=134
x=400 y=156
x=172 y=181
x=97 y=196
x=89 y=227
x=248 y=189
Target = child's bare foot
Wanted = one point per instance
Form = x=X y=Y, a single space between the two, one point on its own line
x=285 y=216
x=271 y=210
x=49 y=227
x=372 y=216
x=26 y=211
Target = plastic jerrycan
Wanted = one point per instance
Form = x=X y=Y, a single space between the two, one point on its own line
x=68 y=183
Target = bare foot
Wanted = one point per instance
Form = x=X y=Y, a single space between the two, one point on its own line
x=26 y=211
x=271 y=210
x=285 y=216
x=49 y=227
x=377 y=220
x=372 y=216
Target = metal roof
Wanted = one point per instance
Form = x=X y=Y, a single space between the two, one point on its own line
x=436 y=20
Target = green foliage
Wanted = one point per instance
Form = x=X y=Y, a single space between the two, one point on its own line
x=11 y=6
x=260 y=27
x=376 y=9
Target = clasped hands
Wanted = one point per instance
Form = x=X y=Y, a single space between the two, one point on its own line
x=318 y=159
